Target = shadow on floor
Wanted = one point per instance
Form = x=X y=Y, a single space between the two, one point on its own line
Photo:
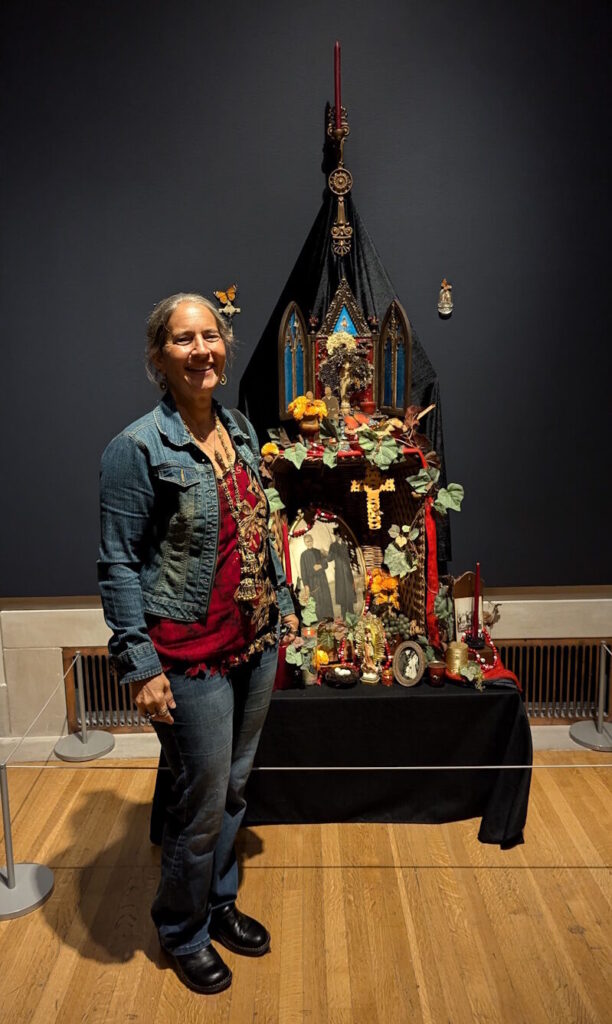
x=107 y=875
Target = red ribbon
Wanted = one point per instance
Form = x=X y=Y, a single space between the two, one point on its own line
x=433 y=582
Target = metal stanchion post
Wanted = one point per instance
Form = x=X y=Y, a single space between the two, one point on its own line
x=90 y=743
x=25 y=886
x=596 y=735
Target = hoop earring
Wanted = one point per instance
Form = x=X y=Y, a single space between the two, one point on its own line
x=223 y=379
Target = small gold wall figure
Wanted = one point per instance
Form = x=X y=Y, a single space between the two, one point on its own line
x=445 y=298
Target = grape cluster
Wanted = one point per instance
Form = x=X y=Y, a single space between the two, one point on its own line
x=397 y=626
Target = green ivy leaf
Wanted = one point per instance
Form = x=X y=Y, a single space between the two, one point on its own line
x=473 y=672
x=292 y=656
x=394 y=530
x=330 y=457
x=396 y=562
x=423 y=480
x=443 y=606
x=296 y=454
x=383 y=458
x=274 y=498
x=449 y=497
x=414 y=533
x=309 y=612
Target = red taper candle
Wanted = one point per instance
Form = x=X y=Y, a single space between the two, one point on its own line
x=476 y=601
x=337 y=91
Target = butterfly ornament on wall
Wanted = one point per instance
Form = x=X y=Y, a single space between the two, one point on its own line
x=226 y=299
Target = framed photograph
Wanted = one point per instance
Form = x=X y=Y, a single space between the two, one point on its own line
x=327 y=564
x=409 y=663
x=463 y=601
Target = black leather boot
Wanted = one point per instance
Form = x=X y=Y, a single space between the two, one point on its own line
x=238 y=932
x=203 y=971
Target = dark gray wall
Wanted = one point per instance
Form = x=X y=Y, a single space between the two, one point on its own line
x=152 y=148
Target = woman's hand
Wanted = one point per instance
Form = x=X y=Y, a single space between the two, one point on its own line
x=153 y=697
x=292 y=623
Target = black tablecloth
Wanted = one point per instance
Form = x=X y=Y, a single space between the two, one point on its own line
x=430 y=741
x=374 y=727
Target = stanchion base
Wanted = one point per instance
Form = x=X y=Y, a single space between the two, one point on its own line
x=72 y=748
x=585 y=733
x=33 y=885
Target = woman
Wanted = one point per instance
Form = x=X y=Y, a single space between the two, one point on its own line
x=194 y=594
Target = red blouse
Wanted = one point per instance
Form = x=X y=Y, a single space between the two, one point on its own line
x=231 y=632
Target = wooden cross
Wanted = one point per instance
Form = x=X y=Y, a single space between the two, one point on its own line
x=373 y=486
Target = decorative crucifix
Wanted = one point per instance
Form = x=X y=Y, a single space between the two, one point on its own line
x=373 y=486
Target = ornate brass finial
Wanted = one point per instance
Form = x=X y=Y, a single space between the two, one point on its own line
x=340 y=183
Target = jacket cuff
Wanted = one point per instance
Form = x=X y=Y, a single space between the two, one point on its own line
x=285 y=602
x=139 y=661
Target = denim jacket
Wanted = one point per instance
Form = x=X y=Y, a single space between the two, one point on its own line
x=159 y=509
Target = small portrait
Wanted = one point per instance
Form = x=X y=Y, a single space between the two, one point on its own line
x=327 y=565
x=409 y=663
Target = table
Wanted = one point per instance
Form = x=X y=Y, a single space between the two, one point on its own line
x=412 y=754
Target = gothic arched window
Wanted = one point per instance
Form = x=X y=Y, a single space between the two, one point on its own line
x=394 y=361
x=292 y=356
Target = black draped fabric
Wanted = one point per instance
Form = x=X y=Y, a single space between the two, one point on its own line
x=312 y=285
x=465 y=755
x=376 y=753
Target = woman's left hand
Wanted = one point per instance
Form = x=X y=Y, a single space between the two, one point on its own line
x=292 y=623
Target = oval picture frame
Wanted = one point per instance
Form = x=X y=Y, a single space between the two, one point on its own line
x=409 y=663
x=338 y=584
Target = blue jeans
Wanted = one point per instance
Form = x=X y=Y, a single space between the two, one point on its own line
x=210 y=750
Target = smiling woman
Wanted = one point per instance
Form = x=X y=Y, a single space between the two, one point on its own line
x=193 y=592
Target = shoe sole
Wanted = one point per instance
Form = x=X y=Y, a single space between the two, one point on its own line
x=241 y=950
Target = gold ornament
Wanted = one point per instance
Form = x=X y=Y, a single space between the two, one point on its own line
x=373 y=486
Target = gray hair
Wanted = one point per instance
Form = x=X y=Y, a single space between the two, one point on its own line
x=157 y=327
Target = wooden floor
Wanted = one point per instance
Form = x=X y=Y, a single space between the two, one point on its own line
x=370 y=923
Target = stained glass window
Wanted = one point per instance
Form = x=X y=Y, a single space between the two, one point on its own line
x=395 y=360
x=292 y=356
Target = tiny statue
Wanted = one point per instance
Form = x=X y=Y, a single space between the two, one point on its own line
x=370 y=647
x=445 y=298
x=332 y=403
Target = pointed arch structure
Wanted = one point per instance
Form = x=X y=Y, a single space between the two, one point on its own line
x=394 y=361
x=293 y=358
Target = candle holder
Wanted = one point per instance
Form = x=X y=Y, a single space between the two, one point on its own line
x=475 y=642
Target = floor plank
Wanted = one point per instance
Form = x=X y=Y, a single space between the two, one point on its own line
x=370 y=923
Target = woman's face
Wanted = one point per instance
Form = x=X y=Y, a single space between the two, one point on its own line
x=193 y=357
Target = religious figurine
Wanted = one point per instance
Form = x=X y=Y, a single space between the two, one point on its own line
x=445 y=298
x=370 y=647
x=332 y=403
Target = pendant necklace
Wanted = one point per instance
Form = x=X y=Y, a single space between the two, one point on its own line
x=250 y=574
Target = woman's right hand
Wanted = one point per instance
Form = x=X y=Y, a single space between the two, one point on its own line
x=154 y=697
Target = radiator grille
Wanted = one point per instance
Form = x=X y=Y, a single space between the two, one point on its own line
x=107 y=702
x=559 y=678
